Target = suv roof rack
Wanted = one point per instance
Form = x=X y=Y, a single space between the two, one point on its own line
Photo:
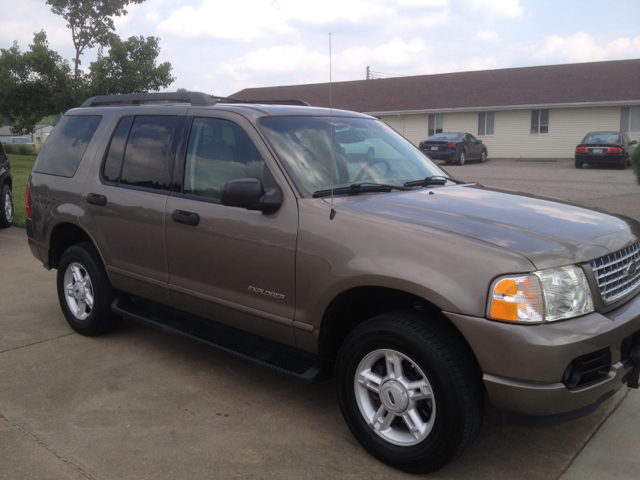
x=193 y=98
x=301 y=103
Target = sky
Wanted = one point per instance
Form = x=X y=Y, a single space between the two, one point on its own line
x=220 y=47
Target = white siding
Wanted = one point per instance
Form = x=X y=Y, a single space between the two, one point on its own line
x=512 y=137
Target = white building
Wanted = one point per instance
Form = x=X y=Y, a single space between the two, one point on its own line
x=533 y=112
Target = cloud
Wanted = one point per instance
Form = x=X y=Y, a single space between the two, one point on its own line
x=243 y=21
x=579 y=47
x=487 y=37
x=498 y=8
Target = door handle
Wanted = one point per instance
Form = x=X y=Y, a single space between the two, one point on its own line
x=187 y=218
x=95 y=199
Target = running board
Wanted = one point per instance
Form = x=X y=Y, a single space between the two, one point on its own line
x=274 y=356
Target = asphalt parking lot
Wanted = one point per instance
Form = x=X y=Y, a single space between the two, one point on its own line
x=142 y=404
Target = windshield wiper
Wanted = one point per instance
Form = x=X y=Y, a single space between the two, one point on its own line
x=435 y=180
x=359 y=188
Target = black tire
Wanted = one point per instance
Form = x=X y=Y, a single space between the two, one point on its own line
x=579 y=164
x=622 y=164
x=462 y=158
x=483 y=156
x=84 y=291
x=450 y=416
x=6 y=207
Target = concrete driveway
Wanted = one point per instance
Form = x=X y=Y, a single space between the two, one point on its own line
x=142 y=404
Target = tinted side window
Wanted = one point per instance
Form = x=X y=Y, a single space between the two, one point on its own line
x=113 y=162
x=148 y=152
x=218 y=151
x=63 y=150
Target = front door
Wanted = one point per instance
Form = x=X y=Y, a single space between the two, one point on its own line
x=228 y=264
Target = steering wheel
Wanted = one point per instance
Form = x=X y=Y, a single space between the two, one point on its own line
x=371 y=164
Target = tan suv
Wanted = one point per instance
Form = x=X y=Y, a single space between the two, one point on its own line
x=262 y=230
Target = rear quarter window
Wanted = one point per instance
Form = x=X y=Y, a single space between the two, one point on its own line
x=63 y=150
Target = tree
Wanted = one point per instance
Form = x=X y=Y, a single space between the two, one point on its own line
x=129 y=67
x=90 y=21
x=34 y=84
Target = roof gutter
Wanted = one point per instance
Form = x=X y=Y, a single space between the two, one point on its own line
x=620 y=103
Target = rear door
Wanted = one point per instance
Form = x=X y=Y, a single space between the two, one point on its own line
x=126 y=200
x=229 y=264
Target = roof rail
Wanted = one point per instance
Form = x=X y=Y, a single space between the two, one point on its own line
x=263 y=102
x=194 y=98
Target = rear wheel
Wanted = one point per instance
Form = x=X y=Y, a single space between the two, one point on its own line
x=462 y=157
x=579 y=164
x=409 y=392
x=84 y=291
x=6 y=207
x=622 y=164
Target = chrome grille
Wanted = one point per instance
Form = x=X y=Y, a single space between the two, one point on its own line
x=617 y=273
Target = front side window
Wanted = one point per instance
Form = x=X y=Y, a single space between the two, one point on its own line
x=436 y=122
x=62 y=152
x=323 y=152
x=218 y=150
x=630 y=119
x=540 y=121
x=147 y=152
x=486 y=123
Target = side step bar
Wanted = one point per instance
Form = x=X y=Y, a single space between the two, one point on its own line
x=277 y=357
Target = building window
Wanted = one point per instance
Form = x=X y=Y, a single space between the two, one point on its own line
x=485 y=123
x=435 y=123
x=539 y=121
x=630 y=119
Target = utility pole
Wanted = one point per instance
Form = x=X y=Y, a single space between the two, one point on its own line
x=367 y=72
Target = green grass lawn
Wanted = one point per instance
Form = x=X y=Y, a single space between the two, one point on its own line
x=20 y=169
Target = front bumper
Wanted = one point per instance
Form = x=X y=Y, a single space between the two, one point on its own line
x=523 y=365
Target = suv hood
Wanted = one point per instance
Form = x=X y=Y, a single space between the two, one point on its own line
x=548 y=232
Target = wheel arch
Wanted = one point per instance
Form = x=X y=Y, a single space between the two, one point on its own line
x=63 y=236
x=356 y=305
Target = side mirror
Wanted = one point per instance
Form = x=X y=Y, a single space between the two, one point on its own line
x=634 y=142
x=479 y=141
x=250 y=194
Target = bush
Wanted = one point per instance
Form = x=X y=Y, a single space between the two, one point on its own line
x=9 y=148
x=24 y=150
x=635 y=162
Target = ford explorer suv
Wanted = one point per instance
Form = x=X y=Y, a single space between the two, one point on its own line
x=257 y=229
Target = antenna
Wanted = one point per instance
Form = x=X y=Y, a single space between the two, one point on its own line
x=333 y=212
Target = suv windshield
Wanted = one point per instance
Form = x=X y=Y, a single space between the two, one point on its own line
x=363 y=151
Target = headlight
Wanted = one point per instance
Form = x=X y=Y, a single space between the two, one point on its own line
x=543 y=296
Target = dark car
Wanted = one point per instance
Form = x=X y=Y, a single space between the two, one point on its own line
x=6 y=182
x=454 y=147
x=612 y=148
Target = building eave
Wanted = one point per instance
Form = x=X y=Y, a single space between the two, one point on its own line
x=620 y=103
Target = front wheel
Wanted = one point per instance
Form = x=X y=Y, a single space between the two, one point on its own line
x=84 y=291
x=483 y=156
x=409 y=392
x=6 y=207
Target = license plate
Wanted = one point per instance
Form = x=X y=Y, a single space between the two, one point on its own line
x=597 y=151
x=434 y=148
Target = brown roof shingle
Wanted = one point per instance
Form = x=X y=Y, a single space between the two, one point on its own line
x=611 y=81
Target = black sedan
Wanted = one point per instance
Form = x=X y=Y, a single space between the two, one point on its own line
x=455 y=147
x=611 y=148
